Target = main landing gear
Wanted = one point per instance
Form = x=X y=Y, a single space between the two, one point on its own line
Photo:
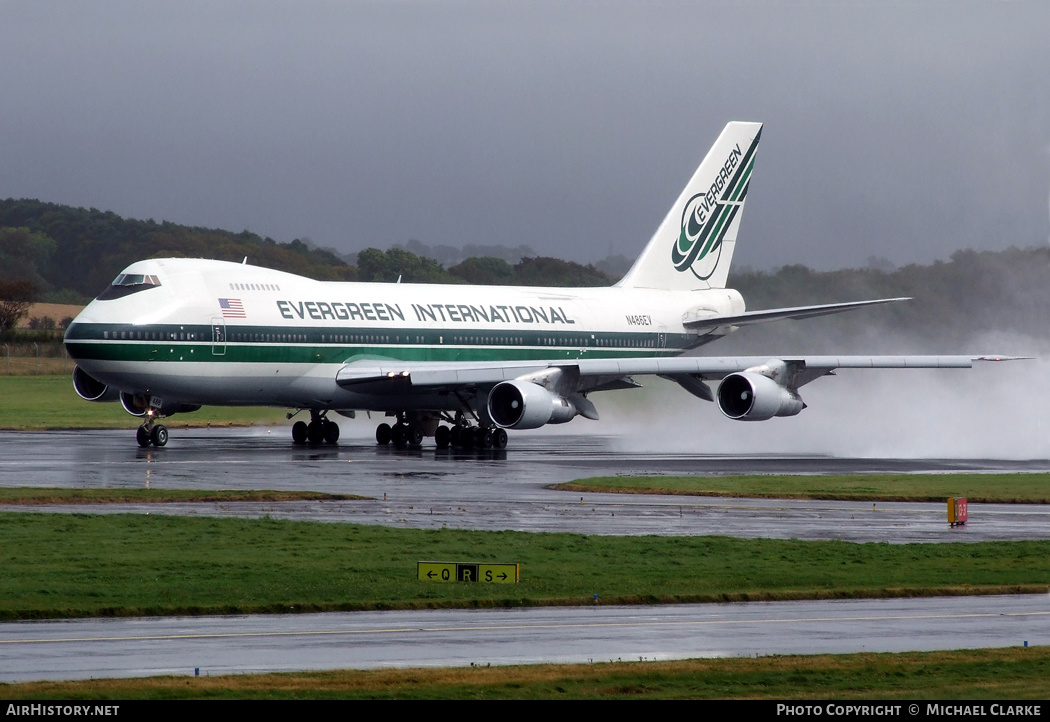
x=401 y=434
x=460 y=435
x=319 y=430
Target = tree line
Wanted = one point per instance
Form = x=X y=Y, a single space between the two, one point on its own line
x=62 y=254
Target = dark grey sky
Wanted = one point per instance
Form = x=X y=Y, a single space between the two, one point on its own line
x=898 y=129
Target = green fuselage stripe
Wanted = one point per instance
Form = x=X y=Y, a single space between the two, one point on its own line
x=271 y=344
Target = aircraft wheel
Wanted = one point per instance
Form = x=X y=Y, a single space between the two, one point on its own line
x=383 y=434
x=331 y=432
x=398 y=434
x=315 y=432
x=443 y=437
x=485 y=438
x=455 y=436
x=159 y=435
x=499 y=438
x=299 y=432
x=466 y=438
x=414 y=435
x=142 y=436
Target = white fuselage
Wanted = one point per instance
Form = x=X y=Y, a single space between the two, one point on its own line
x=219 y=333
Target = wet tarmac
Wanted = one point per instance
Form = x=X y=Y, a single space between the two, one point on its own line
x=266 y=458
x=426 y=488
x=85 y=648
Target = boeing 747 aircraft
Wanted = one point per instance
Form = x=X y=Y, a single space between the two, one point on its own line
x=459 y=363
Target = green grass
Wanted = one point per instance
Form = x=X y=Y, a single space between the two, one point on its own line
x=1005 y=674
x=983 y=488
x=49 y=402
x=57 y=565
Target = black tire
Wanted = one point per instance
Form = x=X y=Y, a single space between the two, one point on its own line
x=142 y=436
x=443 y=437
x=499 y=438
x=414 y=435
x=159 y=435
x=383 y=434
x=315 y=432
x=398 y=434
x=299 y=432
x=331 y=432
x=455 y=436
x=484 y=438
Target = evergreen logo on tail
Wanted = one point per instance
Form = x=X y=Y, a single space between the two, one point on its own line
x=707 y=217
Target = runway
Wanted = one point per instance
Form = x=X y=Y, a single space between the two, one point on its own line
x=89 y=648
x=507 y=490
x=426 y=488
x=266 y=458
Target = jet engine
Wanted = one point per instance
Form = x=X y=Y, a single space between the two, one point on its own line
x=748 y=396
x=90 y=388
x=525 y=405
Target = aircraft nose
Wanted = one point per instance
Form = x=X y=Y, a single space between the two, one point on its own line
x=75 y=334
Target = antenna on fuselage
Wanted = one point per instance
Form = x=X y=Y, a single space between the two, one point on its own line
x=245 y=261
x=399 y=278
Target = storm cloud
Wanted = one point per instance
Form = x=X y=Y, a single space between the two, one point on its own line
x=896 y=130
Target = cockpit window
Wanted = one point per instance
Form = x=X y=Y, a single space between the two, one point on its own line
x=127 y=283
x=135 y=279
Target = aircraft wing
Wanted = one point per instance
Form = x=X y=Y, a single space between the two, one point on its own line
x=376 y=376
x=529 y=394
x=705 y=323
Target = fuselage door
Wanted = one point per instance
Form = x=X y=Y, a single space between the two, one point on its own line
x=218 y=337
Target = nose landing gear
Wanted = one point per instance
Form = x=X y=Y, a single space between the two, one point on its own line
x=151 y=432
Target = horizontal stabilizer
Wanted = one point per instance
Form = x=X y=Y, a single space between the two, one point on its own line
x=776 y=314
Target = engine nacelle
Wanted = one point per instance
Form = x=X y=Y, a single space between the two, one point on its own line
x=90 y=388
x=525 y=405
x=747 y=396
x=136 y=405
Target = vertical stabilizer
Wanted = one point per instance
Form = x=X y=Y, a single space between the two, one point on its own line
x=693 y=247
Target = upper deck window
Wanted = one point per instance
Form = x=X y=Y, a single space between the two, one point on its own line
x=127 y=283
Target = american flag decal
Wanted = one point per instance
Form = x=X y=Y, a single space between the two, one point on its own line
x=232 y=308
